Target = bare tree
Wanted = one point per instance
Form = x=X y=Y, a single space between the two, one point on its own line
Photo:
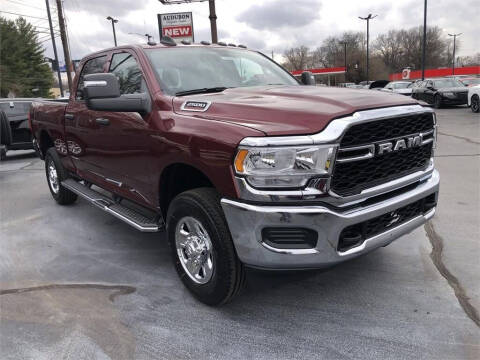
x=297 y=58
x=402 y=48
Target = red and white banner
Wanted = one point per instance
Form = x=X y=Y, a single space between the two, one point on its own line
x=178 y=26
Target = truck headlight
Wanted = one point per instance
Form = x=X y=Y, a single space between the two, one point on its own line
x=283 y=167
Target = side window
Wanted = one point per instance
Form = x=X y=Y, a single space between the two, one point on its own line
x=129 y=75
x=92 y=66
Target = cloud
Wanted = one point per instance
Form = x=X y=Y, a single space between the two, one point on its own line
x=105 y=7
x=281 y=13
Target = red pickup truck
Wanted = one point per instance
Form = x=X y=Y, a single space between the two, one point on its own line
x=243 y=165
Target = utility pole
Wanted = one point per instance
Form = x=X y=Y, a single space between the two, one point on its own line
x=213 y=21
x=114 y=21
x=454 y=38
x=54 y=47
x=368 y=18
x=63 y=36
x=344 y=43
x=424 y=46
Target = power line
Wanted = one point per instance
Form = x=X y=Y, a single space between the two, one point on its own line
x=12 y=13
x=22 y=4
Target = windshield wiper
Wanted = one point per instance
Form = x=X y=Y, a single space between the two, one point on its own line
x=201 y=91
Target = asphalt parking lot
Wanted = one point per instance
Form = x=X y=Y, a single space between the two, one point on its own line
x=76 y=283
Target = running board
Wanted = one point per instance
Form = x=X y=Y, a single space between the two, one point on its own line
x=130 y=216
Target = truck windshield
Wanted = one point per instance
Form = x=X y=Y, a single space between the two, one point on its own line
x=184 y=70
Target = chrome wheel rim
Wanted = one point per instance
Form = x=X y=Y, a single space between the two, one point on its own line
x=194 y=249
x=53 y=177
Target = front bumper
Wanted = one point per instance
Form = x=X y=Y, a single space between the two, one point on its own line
x=246 y=222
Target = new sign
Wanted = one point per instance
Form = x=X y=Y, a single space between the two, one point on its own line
x=178 y=26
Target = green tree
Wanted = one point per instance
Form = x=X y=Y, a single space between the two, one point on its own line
x=23 y=70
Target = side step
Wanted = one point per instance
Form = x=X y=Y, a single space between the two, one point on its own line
x=130 y=216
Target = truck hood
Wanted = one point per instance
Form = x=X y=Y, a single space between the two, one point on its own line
x=285 y=110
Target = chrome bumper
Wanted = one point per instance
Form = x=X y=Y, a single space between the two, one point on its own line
x=246 y=222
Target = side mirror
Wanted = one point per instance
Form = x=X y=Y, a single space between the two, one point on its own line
x=102 y=93
x=307 y=78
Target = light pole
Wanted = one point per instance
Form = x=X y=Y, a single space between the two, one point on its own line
x=344 y=43
x=454 y=38
x=424 y=45
x=368 y=18
x=114 y=21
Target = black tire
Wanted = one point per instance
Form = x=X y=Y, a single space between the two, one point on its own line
x=61 y=195
x=475 y=104
x=437 y=102
x=5 y=129
x=228 y=276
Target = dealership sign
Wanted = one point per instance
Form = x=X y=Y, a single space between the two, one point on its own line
x=178 y=26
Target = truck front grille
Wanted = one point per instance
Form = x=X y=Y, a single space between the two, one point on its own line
x=350 y=178
x=374 y=131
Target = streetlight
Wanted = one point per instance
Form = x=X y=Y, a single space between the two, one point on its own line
x=368 y=18
x=454 y=38
x=344 y=43
x=114 y=21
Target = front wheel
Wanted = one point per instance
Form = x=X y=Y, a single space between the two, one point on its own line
x=475 y=106
x=56 y=173
x=202 y=247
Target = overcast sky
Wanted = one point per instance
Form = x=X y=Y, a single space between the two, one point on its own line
x=266 y=25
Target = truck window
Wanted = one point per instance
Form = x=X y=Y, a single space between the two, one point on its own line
x=129 y=75
x=182 y=69
x=92 y=66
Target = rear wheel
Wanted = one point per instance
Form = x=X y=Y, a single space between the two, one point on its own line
x=56 y=173
x=475 y=105
x=202 y=247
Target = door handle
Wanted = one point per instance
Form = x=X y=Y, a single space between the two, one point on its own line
x=102 y=121
x=69 y=116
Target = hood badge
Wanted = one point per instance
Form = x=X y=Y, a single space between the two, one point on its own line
x=191 y=105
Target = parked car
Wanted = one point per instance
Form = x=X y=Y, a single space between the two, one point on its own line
x=399 y=87
x=473 y=81
x=241 y=164
x=377 y=84
x=473 y=98
x=439 y=92
x=15 y=131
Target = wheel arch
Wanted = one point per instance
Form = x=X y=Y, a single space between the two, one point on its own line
x=45 y=142
x=177 y=178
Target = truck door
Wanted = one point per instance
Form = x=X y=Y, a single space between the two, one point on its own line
x=123 y=154
x=81 y=133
